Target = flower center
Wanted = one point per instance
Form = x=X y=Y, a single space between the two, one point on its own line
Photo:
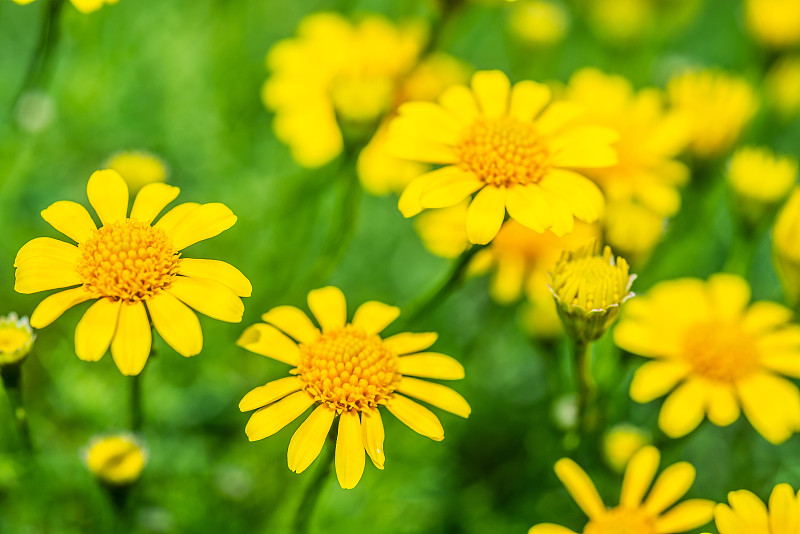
x=127 y=260
x=720 y=351
x=591 y=282
x=621 y=521
x=348 y=369
x=503 y=152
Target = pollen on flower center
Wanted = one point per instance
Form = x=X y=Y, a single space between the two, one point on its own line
x=720 y=351
x=621 y=521
x=347 y=369
x=127 y=260
x=503 y=152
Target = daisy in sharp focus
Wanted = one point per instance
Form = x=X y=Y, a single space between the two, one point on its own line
x=134 y=271
x=510 y=148
x=346 y=370
x=714 y=354
x=638 y=512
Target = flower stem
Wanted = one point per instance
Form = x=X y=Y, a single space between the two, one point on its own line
x=312 y=492
x=12 y=380
x=587 y=389
x=136 y=404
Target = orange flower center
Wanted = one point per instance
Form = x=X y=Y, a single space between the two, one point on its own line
x=720 y=351
x=127 y=260
x=622 y=521
x=503 y=152
x=347 y=369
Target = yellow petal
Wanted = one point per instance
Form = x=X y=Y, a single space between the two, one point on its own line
x=750 y=510
x=772 y=405
x=723 y=406
x=657 y=378
x=409 y=204
x=42 y=274
x=683 y=410
x=270 y=419
x=764 y=316
x=730 y=295
x=71 y=219
x=47 y=247
x=350 y=455
x=459 y=101
x=431 y=121
x=431 y=365
x=329 y=307
x=176 y=323
x=485 y=214
x=639 y=475
x=406 y=343
x=294 y=322
x=580 y=486
x=130 y=347
x=219 y=271
x=176 y=215
x=556 y=116
x=108 y=195
x=53 y=306
x=728 y=522
x=208 y=297
x=585 y=147
x=151 y=200
x=672 y=484
x=96 y=329
x=270 y=392
x=581 y=196
x=373 y=435
x=563 y=221
x=686 y=516
x=784 y=515
x=435 y=394
x=203 y=223
x=374 y=316
x=508 y=279
x=308 y=440
x=549 y=528
x=416 y=417
x=447 y=187
x=528 y=99
x=528 y=206
x=268 y=341
x=491 y=89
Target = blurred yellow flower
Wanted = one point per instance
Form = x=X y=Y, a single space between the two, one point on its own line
x=719 y=354
x=138 y=168
x=117 y=460
x=633 y=230
x=650 y=139
x=84 y=6
x=346 y=370
x=719 y=106
x=539 y=22
x=379 y=171
x=781 y=85
x=774 y=23
x=759 y=178
x=786 y=252
x=498 y=142
x=747 y=514
x=589 y=288
x=335 y=70
x=133 y=269
x=16 y=339
x=621 y=20
x=443 y=231
x=621 y=442
x=635 y=514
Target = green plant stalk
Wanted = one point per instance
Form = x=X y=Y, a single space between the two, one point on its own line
x=587 y=388
x=305 y=511
x=12 y=380
x=136 y=403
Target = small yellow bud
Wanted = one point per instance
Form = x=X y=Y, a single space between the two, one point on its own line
x=116 y=460
x=138 y=168
x=16 y=339
x=786 y=246
x=621 y=442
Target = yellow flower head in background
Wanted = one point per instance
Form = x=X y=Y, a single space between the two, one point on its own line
x=589 y=289
x=16 y=339
x=116 y=460
x=503 y=144
x=786 y=246
x=774 y=23
x=335 y=70
x=132 y=268
x=633 y=230
x=621 y=443
x=621 y=21
x=84 y=6
x=760 y=179
x=650 y=140
x=346 y=370
x=539 y=22
x=636 y=514
x=138 y=168
x=781 y=85
x=379 y=171
x=718 y=353
x=745 y=513
x=719 y=106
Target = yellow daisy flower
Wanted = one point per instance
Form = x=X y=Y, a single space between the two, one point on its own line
x=757 y=174
x=781 y=85
x=746 y=513
x=621 y=442
x=636 y=514
x=719 y=354
x=499 y=143
x=117 y=460
x=774 y=23
x=138 y=167
x=84 y=6
x=719 y=106
x=16 y=339
x=335 y=70
x=346 y=370
x=133 y=269
x=539 y=22
x=650 y=140
x=786 y=253
x=633 y=230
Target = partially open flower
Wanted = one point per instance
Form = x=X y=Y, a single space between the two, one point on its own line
x=760 y=180
x=786 y=246
x=116 y=460
x=16 y=339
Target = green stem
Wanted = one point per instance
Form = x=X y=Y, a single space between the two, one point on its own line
x=741 y=255
x=136 y=403
x=587 y=389
x=314 y=488
x=12 y=380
